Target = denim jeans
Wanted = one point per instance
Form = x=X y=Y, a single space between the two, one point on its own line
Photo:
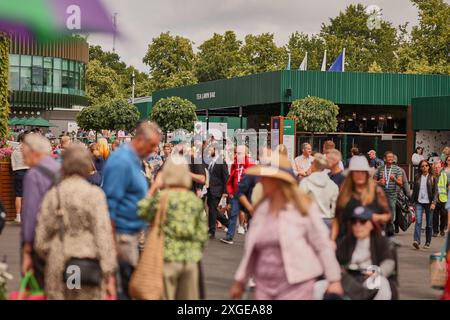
x=420 y=208
x=235 y=208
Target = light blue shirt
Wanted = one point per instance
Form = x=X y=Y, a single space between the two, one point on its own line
x=125 y=185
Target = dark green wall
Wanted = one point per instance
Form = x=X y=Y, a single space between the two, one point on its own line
x=250 y=90
x=340 y=87
x=431 y=113
x=145 y=108
x=363 y=88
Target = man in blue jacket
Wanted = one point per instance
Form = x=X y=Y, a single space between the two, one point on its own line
x=125 y=185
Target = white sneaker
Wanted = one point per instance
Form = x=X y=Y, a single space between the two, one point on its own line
x=17 y=219
x=241 y=230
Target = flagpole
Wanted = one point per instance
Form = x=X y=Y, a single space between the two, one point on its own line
x=324 y=61
x=343 y=60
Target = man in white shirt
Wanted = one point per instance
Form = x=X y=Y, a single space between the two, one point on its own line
x=304 y=161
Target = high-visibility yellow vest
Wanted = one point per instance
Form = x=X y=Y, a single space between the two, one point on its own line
x=442 y=186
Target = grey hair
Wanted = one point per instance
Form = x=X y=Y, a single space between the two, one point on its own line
x=38 y=143
x=305 y=144
x=77 y=161
x=147 y=130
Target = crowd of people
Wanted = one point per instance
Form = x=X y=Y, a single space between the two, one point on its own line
x=315 y=227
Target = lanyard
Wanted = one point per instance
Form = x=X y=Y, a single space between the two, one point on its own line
x=387 y=176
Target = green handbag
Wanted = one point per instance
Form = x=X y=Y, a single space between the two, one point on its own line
x=29 y=289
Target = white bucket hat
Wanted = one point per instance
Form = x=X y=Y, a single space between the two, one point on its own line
x=360 y=163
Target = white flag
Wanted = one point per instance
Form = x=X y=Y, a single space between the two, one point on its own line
x=304 y=65
x=324 y=62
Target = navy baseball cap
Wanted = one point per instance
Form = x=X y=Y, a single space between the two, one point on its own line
x=362 y=213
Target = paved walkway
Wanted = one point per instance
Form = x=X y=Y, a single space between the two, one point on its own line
x=221 y=260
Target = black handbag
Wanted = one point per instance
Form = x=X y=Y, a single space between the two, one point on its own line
x=404 y=214
x=352 y=283
x=89 y=269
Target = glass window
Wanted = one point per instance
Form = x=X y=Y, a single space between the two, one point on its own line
x=38 y=74
x=25 y=61
x=14 y=74
x=37 y=61
x=57 y=81
x=65 y=81
x=77 y=81
x=14 y=60
x=48 y=63
x=25 y=78
x=48 y=80
x=71 y=66
x=57 y=63
x=65 y=65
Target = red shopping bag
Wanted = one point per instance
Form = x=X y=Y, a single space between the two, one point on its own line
x=29 y=289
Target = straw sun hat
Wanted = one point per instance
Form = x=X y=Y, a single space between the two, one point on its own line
x=279 y=168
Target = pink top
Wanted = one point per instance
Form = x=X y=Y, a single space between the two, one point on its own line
x=270 y=277
x=303 y=243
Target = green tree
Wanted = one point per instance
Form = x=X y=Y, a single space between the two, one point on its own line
x=350 y=30
x=143 y=87
x=102 y=83
x=427 y=48
x=299 y=44
x=107 y=59
x=91 y=118
x=314 y=114
x=174 y=113
x=171 y=60
x=260 y=54
x=143 y=84
x=375 y=68
x=218 y=56
x=4 y=85
x=119 y=115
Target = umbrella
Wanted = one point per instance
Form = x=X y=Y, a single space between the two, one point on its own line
x=13 y=121
x=28 y=121
x=41 y=122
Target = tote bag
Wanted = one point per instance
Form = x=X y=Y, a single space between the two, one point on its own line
x=147 y=280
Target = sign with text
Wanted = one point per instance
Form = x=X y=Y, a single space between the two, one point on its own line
x=288 y=138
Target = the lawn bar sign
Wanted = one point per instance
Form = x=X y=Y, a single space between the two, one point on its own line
x=206 y=95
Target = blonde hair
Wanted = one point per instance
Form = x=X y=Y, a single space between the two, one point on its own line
x=297 y=197
x=175 y=173
x=348 y=187
x=282 y=149
x=335 y=154
x=103 y=148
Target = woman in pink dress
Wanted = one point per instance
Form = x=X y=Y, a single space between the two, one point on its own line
x=287 y=247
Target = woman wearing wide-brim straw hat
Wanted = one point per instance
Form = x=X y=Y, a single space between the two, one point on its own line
x=287 y=247
x=359 y=189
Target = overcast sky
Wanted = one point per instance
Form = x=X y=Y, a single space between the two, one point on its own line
x=141 y=20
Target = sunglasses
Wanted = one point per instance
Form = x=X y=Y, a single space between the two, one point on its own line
x=360 y=221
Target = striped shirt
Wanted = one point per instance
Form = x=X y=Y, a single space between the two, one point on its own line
x=391 y=186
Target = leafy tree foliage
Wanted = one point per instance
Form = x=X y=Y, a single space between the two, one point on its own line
x=171 y=60
x=218 y=57
x=115 y=114
x=314 y=114
x=102 y=83
x=174 y=113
